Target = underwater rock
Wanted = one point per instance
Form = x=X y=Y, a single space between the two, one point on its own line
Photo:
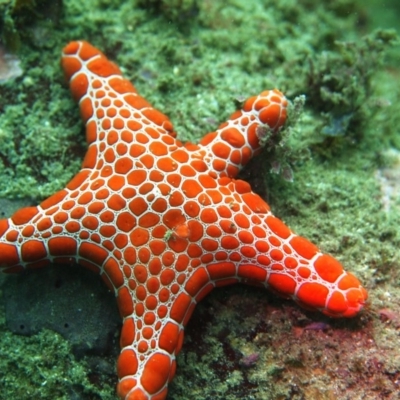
x=66 y=299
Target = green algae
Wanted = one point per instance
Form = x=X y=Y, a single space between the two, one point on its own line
x=42 y=366
x=232 y=50
x=196 y=70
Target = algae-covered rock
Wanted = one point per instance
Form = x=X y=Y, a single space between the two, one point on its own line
x=18 y=15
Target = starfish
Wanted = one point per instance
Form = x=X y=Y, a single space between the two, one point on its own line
x=164 y=223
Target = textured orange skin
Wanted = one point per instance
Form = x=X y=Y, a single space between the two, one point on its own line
x=164 y=223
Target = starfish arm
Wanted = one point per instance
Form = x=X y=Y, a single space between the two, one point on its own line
x=149 y=346
x=33 y=236
x=110 y=105
x=245 y=242
x=60 y=230
x=232 y=145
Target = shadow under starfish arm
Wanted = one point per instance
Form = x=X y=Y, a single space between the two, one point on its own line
x=164 y=223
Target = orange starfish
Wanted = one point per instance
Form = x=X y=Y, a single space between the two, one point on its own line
x=164 y=223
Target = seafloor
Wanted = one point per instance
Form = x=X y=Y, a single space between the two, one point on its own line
x=334 y=177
